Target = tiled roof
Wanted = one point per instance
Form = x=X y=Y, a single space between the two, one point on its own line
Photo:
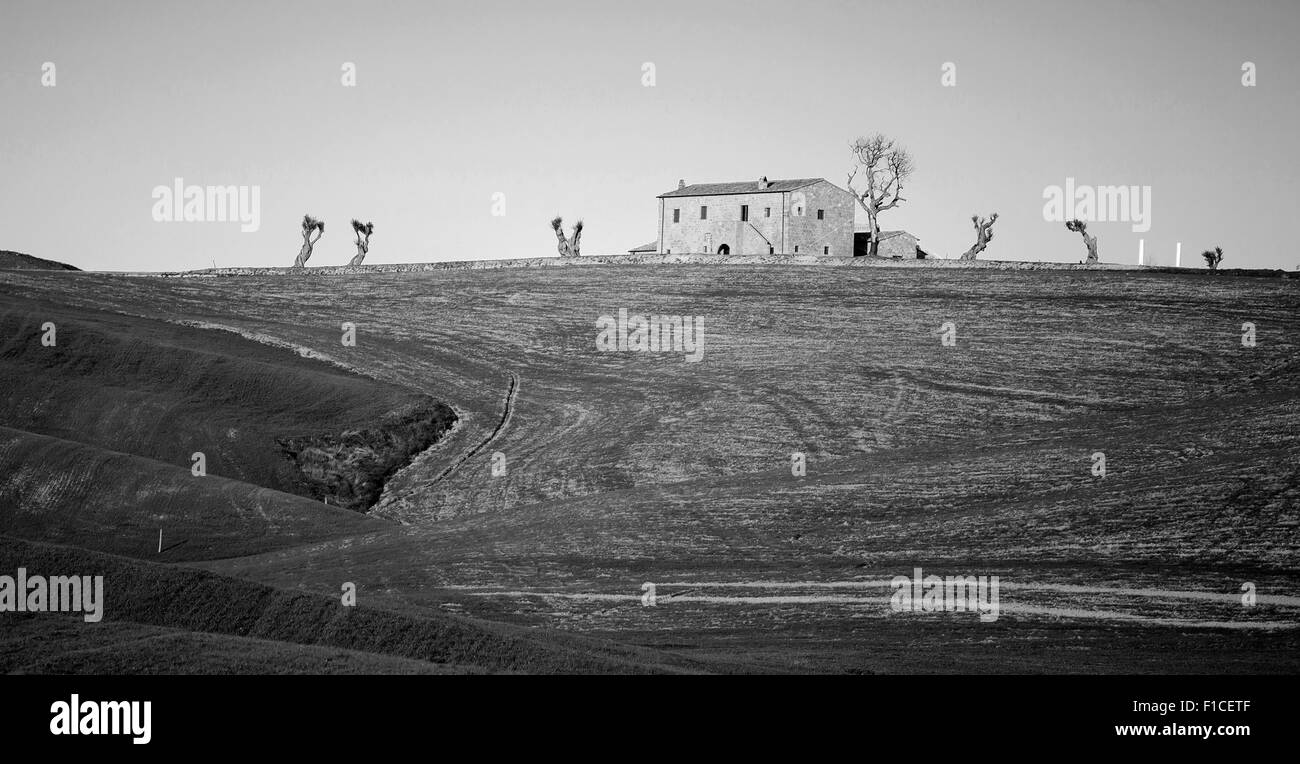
x=740 y=187
x=651 y=247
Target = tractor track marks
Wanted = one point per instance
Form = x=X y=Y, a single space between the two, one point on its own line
x=507 y=411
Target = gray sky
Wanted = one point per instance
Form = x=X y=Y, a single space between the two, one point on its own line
x=544 y=102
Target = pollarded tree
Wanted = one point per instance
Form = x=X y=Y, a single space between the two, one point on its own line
x=309 y=225
x=1213 y=257
x=571 y=247
x=363 y=245
x=885 y=166
x=1080 y=227
x=983 y=235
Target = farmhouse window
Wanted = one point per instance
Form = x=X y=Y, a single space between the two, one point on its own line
x=744 y=212
x=704 y=213
x=677 y=215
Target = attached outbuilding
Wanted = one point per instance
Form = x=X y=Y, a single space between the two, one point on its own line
x=893 y=244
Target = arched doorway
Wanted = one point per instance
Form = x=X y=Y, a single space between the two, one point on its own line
x=723 y=249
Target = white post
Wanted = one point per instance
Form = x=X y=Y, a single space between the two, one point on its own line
x=160 y=541
x=1141 y=247
x=1178 y=256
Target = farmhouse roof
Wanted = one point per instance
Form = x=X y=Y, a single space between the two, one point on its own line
x=740 y=187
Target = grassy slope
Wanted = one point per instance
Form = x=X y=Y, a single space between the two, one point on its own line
x=69 y=646
x=17 y=260
x=71 y=493
x=200 y=604
x=164 y=392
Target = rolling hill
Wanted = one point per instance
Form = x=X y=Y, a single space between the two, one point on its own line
x=166 y=392
x=571 y=476
x=18 y=261
x=197 y=620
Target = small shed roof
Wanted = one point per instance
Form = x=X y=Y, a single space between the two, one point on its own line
x=866 y=228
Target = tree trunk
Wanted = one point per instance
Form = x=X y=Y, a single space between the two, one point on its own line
x=563 y=246
x=1091 y=241
x=873 y=244
x=362 y=249
x=304 y=254
x=983 y=235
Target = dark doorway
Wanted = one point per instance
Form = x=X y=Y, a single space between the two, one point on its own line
x=723 y=249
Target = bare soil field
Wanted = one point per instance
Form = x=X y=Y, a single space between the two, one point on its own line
x=617 y=469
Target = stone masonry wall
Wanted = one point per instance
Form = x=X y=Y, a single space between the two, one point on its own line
x=770 y=222
x=812 y=236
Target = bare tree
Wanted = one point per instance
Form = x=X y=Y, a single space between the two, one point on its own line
x=1213 y=257
x=309 y=224
x=571 y=247
x=885 y=166
x=363 y=245
x=1080 y=227
x=983 y=235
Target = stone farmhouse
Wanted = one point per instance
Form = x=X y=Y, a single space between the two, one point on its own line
x=804 y=216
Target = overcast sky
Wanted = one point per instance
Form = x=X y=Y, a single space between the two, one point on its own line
x=544 y=102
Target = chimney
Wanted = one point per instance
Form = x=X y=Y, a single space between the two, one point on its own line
x=762 y=182
x=681 y=184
